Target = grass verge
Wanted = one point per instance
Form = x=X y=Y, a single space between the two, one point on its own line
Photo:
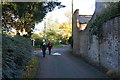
x=31 y=68
x=57 y=46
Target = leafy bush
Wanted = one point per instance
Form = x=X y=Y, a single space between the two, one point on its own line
x=17 y=52
x=38 y=42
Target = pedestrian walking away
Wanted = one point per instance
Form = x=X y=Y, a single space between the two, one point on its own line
x=49 y=47
x=43 y=46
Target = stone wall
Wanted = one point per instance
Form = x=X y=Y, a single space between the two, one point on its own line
x=109 y=47
x=83 y=43
x=102 y=53
x=106 y=52
x=93 y=51
x=76 y=37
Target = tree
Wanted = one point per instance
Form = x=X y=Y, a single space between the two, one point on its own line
x=23 y=16
x=58 y=31
x=66 y=30
x=68 y=14
x=52 y=24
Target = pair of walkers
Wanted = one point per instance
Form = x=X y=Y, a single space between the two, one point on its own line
x=44 y=47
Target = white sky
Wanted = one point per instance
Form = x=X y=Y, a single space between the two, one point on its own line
x=86 y=7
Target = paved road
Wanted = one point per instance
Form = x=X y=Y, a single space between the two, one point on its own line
x=65 y=66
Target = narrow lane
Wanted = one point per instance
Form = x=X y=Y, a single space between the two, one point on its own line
x=65 y=66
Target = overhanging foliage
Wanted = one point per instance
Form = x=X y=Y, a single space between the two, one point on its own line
x=24 y=15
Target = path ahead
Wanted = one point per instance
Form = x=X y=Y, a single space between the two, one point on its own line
x=65 y=66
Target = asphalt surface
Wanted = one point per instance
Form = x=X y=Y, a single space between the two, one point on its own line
x=65 y=66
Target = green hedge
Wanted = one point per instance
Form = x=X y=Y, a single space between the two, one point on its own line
x=17 y=52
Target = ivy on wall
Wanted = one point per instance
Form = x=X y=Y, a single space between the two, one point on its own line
x=109 y=13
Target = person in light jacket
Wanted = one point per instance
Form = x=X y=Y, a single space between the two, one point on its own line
x=43 y=46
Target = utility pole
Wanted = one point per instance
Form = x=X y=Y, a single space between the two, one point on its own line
x=72 y=18
x=72 y=6
x=45 y=28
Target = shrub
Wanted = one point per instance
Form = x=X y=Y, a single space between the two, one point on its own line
x=38 y=41
x=16 y=54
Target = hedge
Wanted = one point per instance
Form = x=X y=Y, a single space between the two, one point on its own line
x=17 y=52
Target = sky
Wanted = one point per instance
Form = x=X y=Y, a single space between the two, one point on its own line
x=86 y=7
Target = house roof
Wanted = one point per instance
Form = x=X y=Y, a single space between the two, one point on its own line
x=84 y=18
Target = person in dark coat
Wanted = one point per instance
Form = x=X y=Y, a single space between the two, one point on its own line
x=49 y=47
x=43 y=46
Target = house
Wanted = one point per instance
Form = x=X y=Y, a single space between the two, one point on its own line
x=83 y=21
x=79 y=27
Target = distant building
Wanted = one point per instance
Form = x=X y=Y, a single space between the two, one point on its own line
x=79 y=25
x=83 y=21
